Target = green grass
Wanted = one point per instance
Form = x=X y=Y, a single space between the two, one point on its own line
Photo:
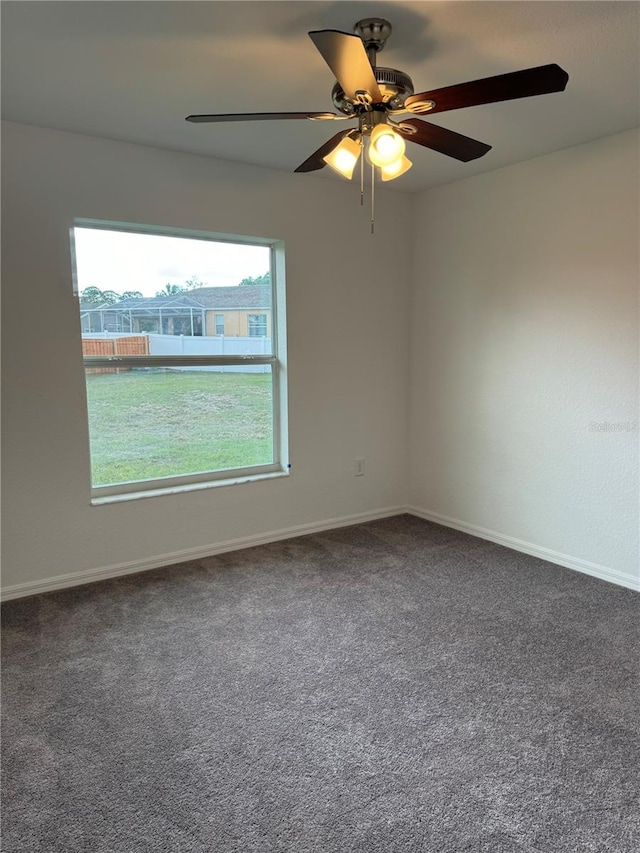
x=147 y=424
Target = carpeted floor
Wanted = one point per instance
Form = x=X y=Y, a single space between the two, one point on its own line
x=386 y=688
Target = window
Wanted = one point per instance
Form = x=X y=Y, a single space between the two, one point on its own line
x=257 y=325
x=173 y=401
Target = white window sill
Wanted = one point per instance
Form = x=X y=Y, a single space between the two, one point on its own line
x=188 y=487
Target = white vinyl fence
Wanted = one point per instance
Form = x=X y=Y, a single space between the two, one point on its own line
x=219 y=345
x=197 y=345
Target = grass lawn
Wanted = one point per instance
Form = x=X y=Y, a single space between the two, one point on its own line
x=147 y=423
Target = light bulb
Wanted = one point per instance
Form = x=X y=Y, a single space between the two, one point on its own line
x=395 y=169
x=386 y=146
x=344 y=157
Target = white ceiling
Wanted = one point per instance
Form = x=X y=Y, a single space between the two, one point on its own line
x=133 y=70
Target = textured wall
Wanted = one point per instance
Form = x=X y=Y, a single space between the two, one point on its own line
x=339 y=384
x=524 y=335
x=524 y=356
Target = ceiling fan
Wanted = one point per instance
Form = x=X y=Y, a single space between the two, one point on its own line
x=375 y=96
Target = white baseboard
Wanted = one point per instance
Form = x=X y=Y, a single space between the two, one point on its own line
x=551 y=556
x=159 y=561
x=21 y=590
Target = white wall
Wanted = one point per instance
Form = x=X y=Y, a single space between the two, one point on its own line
x=524 y=329
x=524 y=333
x=347 y=396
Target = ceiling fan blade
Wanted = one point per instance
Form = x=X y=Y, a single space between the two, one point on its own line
x=346 y=56
x=504 y=87
x=315 y=161
x=445 y=141
x=319 y=116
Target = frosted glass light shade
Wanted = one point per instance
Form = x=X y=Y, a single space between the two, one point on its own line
x=344 y=157
x=386 y=146
x=395 y=169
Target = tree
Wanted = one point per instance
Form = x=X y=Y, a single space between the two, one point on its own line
x=265 y=278
x=193 y=282
x=99 y=297
x=91 y=294
x=171 y=290
x=132 y=294
x=190 y=284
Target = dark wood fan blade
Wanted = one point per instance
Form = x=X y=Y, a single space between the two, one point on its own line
x=445 y=141
x=315 y=161
x=503 y=87
x=261 y=116
x=346 y=56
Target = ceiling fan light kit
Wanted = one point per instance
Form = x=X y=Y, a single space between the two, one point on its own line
x=343 y=158
x=385 y=146
x=395 y=169
x=375 y=96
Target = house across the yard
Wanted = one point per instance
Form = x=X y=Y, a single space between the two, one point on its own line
x=243 y=311
x=240 y=311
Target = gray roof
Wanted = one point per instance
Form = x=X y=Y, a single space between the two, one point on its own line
x=240 y=296
x=180 y=300
x=247 y=296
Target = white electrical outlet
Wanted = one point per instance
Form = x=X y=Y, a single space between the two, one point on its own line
x=359 y=468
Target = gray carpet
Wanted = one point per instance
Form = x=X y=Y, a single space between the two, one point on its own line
x=395 y=686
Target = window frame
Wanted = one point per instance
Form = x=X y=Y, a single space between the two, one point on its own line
x=276 y=360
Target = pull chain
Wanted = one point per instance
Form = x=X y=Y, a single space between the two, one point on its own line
x=362 y=172
x=373 y=196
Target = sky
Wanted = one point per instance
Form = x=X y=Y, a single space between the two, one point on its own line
x=119 y=261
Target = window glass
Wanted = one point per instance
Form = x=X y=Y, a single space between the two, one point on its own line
x=181 y=362
x=146 y=423
x=257 y=325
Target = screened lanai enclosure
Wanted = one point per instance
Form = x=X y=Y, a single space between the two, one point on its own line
x=165 y=315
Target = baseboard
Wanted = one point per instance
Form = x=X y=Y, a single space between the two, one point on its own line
x=584 y=566
x=159 y=561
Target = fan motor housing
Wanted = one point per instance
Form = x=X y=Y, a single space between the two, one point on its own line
x=395 y=86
